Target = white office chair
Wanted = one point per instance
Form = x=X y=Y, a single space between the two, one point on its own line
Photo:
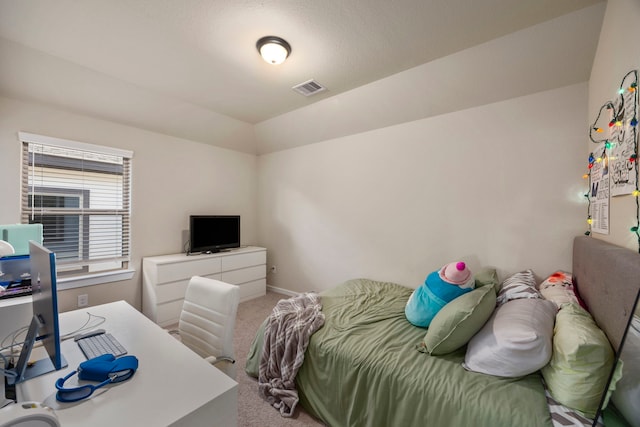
x=207 y=321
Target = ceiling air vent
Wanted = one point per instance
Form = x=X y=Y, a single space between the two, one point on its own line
x=308 y=88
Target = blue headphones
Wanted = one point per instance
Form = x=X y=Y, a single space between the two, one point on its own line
x=106 y=369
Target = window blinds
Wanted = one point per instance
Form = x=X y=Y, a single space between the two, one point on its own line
x=80 y=193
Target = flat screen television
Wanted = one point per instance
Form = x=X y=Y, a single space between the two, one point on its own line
x=44 y=323
x=213 y=233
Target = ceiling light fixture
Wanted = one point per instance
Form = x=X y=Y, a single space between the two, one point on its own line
x=273 y=49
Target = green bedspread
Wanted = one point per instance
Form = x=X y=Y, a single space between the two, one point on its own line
x=362 y=369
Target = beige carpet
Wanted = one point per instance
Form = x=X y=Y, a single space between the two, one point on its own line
x=253 y=410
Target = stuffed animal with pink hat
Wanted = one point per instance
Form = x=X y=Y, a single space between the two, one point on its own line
x=440 y=287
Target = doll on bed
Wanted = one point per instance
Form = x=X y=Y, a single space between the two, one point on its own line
x=440 y=287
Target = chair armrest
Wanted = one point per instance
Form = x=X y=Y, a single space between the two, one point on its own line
x=215 y=360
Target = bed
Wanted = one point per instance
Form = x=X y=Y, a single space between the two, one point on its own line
x=364 y=367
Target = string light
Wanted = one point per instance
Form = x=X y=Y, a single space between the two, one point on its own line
x=617 y=114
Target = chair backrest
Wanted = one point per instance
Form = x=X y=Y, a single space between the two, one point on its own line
x=208 y=318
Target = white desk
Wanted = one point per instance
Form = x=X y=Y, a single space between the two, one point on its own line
x=173 y=386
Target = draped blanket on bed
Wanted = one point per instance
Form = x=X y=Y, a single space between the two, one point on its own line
x=362 y=369
x=286 y=337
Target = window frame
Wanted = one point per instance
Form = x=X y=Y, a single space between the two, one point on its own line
x=83 y=196
x=81 y=276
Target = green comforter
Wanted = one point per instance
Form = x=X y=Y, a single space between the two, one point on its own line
x=362 y=369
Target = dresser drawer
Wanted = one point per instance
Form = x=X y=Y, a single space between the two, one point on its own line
x=171 y=291
x=237 y=277
x=254 y=289
x=244 y=260
x=185 y=270
x=169 y=313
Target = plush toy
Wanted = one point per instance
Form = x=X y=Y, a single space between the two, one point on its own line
x=559 y=288
x=440 y=287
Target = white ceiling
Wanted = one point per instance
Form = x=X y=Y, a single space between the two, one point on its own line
x=190 y=68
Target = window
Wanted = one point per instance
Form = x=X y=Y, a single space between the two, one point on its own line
x=80 y=193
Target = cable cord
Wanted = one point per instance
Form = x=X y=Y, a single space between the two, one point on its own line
x=13 y=352
x=6 y=372
x=14 y=336
x=86 y=326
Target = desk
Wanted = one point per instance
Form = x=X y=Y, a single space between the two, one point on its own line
x=172 y=387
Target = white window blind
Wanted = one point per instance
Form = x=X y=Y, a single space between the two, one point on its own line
x=80 y=193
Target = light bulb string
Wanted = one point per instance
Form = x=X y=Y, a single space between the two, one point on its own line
x=617 y=117
x=607 y=106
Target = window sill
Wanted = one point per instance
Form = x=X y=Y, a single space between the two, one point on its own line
x=94 y=279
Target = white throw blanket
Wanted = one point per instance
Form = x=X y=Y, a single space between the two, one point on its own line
x=286 y=337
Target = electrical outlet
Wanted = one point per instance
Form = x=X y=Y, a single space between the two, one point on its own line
x=83 y=300
x=274 y=269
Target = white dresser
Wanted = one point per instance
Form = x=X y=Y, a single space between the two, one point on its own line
x=165 y=278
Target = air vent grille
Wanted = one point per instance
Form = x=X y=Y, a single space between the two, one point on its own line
x=308 y=88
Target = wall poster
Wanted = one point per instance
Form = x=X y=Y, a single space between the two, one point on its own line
x=613 y=168
x=623 y=139
x=599 y=192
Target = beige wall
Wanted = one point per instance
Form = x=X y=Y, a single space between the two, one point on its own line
x=498 y=185
x=618 y=53
x=172 y=178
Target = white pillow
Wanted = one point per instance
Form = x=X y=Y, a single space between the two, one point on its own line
x=515 y=341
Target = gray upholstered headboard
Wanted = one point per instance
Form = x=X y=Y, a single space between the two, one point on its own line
x=608 y=280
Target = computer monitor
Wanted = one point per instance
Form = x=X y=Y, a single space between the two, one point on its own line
x=44 y=323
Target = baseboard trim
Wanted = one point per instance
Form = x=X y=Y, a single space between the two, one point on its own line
x=282 y=291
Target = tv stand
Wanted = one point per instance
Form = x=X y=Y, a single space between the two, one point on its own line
x=165 y=278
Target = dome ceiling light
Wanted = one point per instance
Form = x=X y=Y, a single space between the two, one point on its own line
x=273 y=50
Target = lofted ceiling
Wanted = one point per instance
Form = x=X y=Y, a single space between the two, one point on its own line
x=190 y=68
